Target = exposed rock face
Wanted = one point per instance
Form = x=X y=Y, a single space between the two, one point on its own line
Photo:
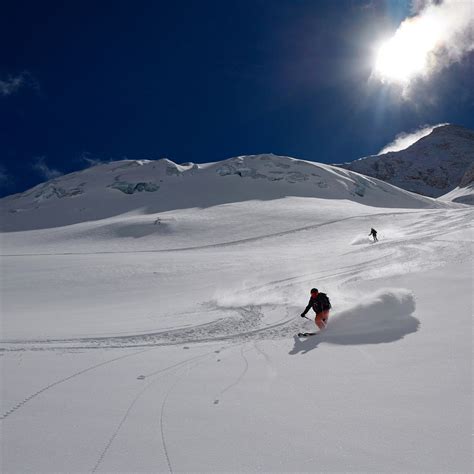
x=468 y=177
x=433 y=166
x=130 y=188
x=272 y=169
x=464 y=193
x=52 y=190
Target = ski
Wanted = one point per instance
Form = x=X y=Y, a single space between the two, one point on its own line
x=306 y=334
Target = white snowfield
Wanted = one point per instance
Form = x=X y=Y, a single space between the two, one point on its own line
x=140 y=335
x=463 y=195
x=156 y=186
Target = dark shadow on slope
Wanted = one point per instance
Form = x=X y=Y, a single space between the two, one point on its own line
x=384 y=317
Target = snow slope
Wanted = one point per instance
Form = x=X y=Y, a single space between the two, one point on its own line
x=148 y=187
x=164 y=339
x=464 y=193
x=432 y=166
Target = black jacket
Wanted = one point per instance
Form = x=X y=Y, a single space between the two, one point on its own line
x=319 y=304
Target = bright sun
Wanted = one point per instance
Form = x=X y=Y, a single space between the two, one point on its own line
x=406 y=54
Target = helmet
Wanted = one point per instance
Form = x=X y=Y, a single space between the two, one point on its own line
x=314 y=290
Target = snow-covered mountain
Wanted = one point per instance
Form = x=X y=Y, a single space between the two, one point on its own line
x=152 y=186
x=432 y=166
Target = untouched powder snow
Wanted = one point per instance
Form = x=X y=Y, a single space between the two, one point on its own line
x=163 y=338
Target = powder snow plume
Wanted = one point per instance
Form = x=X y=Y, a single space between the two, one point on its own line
x=404 y=140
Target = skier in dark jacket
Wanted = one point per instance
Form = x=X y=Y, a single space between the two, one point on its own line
x=373 y=233
x=321 y=306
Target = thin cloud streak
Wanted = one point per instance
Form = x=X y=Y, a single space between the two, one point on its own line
x=44 y=170
x=12 y=84
x=4 y=178
x=404 y=140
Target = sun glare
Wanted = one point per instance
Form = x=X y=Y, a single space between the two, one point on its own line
x=406 y=54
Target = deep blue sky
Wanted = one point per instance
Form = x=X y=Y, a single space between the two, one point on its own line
x=202 y=81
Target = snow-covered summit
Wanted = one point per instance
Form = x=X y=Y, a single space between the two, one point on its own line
x=432 y=166
x=151 y=186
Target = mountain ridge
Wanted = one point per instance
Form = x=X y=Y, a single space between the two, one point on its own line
x=154 y=186
x=432 y=166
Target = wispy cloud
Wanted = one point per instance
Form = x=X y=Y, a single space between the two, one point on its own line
x=44 y=170
x=365 y=4
x=91 y=160
x=5 y=179
x=405 y=139
x=12 y=84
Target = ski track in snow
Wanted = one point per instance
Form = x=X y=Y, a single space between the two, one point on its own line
x=239 y=378
x=248 y=325
x=220 y=244
x=129 y=409
x=221 y=329
x=63 y=380
x=263 y=353
x=162 y=413
x=116 y=432
x=322 y=276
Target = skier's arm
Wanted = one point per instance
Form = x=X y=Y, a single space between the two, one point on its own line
x=307 y=308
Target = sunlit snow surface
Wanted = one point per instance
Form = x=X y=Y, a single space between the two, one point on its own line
x=158 y=341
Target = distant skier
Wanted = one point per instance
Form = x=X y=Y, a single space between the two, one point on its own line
x=321 y=306
x=373 y=233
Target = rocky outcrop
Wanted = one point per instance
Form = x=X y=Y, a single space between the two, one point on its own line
x=131 y=188
x=433 y=166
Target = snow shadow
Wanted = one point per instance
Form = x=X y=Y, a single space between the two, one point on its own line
x=384 y=316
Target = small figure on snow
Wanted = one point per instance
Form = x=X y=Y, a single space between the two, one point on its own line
x=373 y=233
x=321 y=306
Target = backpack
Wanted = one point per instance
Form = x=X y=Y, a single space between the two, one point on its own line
x=324 y=300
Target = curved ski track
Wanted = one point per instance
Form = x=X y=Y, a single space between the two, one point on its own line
x=135 y=400
x=65 y=379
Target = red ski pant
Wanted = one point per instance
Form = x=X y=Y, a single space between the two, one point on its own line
x=321 y=319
